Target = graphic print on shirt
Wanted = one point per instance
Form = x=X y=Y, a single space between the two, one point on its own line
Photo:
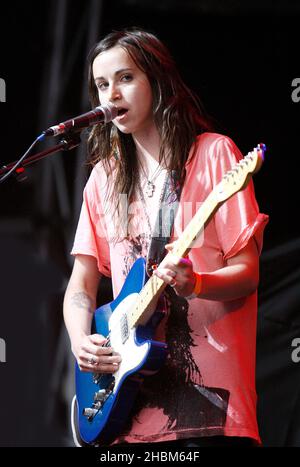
x=137 y=248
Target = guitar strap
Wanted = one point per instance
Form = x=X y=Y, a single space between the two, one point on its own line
x=164 y=221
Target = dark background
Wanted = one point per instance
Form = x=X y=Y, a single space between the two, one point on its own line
x=241 y=58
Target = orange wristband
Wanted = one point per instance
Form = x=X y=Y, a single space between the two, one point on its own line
x=197 y=287
x=198 y=284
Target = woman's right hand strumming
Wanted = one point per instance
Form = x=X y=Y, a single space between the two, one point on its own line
x=92 y=354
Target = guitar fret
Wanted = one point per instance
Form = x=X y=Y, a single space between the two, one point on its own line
x=196 y=225
x=151 y=290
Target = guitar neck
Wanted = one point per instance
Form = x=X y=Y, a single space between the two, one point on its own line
x=145 y=304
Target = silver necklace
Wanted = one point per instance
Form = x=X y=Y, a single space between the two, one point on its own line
x=150 y=186
x=144 y=201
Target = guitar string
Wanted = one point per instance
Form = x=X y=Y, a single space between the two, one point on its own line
x=108 y=343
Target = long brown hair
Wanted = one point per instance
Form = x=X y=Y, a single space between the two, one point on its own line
x=177 y=112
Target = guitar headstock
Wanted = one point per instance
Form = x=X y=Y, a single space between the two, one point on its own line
x=238 y=177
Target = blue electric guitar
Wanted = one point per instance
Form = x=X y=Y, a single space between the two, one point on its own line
x=103 y=402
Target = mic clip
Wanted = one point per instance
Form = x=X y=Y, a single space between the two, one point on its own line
x=70 y=140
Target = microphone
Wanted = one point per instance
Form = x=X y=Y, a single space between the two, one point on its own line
x=105 y=113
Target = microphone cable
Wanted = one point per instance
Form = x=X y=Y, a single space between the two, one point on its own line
x=19 y=162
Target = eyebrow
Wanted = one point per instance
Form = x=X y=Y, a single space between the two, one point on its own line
x=118 y=72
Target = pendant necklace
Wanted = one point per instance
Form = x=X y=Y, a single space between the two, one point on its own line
x=150 y=186
x=145 y=205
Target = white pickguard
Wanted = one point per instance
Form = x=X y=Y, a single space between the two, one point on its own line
x=132 y=354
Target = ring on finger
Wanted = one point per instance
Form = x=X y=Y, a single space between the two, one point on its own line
x=173 y=283
x=92 y=361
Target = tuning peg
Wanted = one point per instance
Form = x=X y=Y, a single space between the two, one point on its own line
x=262 y=147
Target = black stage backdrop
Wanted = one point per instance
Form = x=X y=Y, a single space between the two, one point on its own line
x=243 y=62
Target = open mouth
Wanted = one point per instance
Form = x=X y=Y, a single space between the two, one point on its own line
x=122 y=112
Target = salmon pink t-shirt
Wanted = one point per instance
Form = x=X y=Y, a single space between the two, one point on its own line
x=207 y=385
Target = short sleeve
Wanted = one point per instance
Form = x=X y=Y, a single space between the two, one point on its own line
x=90 y=237
x=238 y=219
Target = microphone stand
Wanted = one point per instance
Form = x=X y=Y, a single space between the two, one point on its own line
x=70 y=140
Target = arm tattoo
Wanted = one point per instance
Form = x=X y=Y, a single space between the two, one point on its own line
x=82 y=300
